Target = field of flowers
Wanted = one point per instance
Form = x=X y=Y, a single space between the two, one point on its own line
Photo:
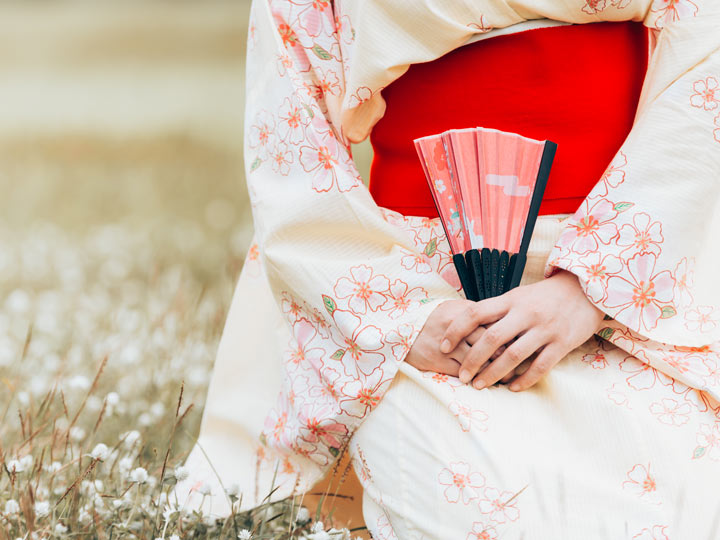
x=123 y=226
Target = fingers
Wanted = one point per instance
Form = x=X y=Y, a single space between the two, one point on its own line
x=544 y=362
x=492 y=339
x=460 y=352
x=483 y=312
x=504 y=366
x=447 y=366
x=475 y=335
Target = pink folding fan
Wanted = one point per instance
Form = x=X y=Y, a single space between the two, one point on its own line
x=487 y=186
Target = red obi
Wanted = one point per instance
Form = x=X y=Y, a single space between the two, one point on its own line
x=576 y=85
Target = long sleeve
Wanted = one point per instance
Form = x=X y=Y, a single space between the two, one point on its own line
x=355 y=282
x=644 y=242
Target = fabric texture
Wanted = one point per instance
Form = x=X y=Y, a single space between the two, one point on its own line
x=601 y=449
x=348 y=285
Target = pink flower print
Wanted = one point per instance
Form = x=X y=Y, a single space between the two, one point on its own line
x=401 y=340
x=643 y=375
x=291 y=122
x=284 y=62
x=658 y=532
x=384 y=528
x=592 y=226
x=703 y=319
x=462 y=484
x=670 y=412
x=416 y=261
x=344 y=29
x=684 y=280
x=287 y=35
x=708 y=439
x=594 y=6
x=669 y=11
x=500 y=506
x=318 y=424
x=618 y=397
x=444 y=379
x=303 y=354
x=322 y=157
x=480 y=531
x=641 y=294
x=326 y=83
x=298 y=387
x=716 y=133
x=643 y=236
x=277 y=429
x=481 y=26
x=400 y=297
x=328 y=388
x=363 y=395
x=594 y=269
x=361 y=344
x=320 y=323
x=315 y=17
x=261 y=136
x=361 y=95
x=596 y=360
x=710 y=372
x=468 y=417
x=642 y=483
x=707 y=94
x=364 y=289
x=290 y=306
x=613 y=176
x=281 y=159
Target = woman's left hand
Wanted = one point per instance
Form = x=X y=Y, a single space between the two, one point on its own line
x=550 y=317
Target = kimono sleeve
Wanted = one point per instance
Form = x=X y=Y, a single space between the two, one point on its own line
x=355 y=282
x=644 y=242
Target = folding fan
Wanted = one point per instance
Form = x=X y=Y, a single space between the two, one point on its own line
x=487 y=186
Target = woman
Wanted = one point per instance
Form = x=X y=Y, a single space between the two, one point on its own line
x=612 y=436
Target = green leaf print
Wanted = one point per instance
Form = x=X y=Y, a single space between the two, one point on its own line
x=329 y=304
x=606 y=333
x=667 y=312
x=255 y=164
x=431 y=248
x=321 y=53
x=622 y=206
x=699 y=452
x=337 y=355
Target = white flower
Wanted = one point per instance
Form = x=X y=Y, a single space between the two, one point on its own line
x=233 y=490
x=112 y=398
x=77 y=433
x=205 y=489
x=131 y=437
x=139 y=475
x=317 y=527
x=14 y=465
x=245 y=535
x=174 y=537
x=303 y=515
x=181 y=473
x=100 y=452
x=124 y=464
x=42 y=508
x=26 y=461
x=11 y=507
x=54 y=467
x=60 y=529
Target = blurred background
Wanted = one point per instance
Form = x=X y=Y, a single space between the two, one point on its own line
x=124 y=221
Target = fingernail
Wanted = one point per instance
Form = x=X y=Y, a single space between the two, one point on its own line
x=465 y=377
x=479 y=384
x=445 y=346
x=514 y=387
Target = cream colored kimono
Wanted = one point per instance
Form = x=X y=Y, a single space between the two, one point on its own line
x=336 y=289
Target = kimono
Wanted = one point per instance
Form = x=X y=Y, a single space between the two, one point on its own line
x=335 y=290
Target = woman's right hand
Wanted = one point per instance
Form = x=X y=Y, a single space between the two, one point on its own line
x=425 y=354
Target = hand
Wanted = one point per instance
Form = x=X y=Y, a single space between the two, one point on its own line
x=550 y=317
x=425 y=353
